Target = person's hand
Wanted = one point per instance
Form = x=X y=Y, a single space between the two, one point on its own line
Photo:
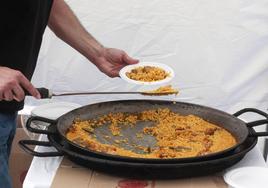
x=111 y=61
x=13 y=84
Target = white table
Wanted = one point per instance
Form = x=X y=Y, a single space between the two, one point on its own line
x=43 y=170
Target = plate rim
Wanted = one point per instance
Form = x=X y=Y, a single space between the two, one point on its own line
x=167 y=68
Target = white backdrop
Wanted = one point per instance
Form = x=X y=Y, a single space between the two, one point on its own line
x=218 y=49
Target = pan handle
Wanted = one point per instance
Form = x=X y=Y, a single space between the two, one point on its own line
x=254 y=123
x=39 y=131
x=24 y=145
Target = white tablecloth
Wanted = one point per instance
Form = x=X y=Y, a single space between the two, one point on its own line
x=43 y=170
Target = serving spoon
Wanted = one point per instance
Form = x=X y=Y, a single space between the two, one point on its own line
x=46 y=93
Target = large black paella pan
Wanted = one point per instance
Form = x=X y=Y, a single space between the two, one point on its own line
x=246 y=138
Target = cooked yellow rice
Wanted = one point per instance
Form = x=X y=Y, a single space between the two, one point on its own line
x=147 y=74
x=177 y=136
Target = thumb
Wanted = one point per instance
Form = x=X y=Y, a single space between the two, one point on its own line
x=129 y=60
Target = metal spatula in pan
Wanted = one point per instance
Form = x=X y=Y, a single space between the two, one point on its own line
x=46 y=93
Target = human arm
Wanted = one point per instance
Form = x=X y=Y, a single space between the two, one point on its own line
x=67 y=27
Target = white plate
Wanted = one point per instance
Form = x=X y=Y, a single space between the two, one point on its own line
x=128 y=68
x=247 y=177
x=54 y=110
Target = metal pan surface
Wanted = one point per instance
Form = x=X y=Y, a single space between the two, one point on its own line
x=143 y=170
x=238 y=128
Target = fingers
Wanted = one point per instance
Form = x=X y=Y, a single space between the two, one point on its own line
x=115 y=71
x=8 y=96
x=18 y=93
x=1 y=96
x=113 y=61
x=13 y=84
x=26 y=84
x=129 y=60
x=113 y=74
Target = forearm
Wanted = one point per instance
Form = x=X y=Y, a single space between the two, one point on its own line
x=67 y=27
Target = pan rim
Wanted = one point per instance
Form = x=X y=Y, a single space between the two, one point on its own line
x=220 y=158
x=152 y=160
